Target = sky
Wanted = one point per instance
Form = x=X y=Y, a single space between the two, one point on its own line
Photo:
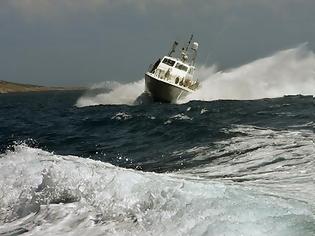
x=83 y=42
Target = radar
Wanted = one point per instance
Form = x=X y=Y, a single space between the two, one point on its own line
x=195 y=46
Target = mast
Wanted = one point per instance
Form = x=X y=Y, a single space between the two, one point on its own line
x=173 y=48
x=189 y=42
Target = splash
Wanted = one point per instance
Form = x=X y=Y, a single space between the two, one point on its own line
x=41 y=193
x=287 y=72
x=111 y=93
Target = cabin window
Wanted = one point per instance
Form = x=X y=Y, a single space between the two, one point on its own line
x=168 y=62
x=181 y=67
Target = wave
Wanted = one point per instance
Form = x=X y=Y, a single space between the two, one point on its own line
x=280 y=161
x=111 y=93
x=287 y=72
x=42 y=192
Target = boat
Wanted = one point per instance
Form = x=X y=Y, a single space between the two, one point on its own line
x=170 y=78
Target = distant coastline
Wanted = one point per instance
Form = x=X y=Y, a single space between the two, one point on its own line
x=9 y=87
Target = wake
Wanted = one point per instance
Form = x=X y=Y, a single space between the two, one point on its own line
x=287 y=72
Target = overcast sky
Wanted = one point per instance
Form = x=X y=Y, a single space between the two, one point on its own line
x=81 y=42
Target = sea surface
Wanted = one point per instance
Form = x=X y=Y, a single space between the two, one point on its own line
x=235 y=158
x=224 y=167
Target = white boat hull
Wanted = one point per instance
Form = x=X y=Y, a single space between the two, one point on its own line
x=164 y=91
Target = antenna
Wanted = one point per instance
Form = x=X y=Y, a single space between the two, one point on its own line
x=173 y=48
x=189 y=42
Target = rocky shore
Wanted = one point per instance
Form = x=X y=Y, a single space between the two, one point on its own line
x=9 y=87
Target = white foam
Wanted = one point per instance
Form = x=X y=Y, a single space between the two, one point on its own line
x=121 y=116
x=73 y=196
x=118 y=94
x=281 y=162
x=287 y=72
x=181 y=116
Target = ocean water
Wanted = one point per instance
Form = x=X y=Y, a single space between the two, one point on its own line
x=236 y=158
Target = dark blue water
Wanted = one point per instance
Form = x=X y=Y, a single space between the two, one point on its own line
x=260 y=146
x=139 y=136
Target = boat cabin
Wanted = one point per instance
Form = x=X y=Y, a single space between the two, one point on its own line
x=176 y=65
x=174 y=70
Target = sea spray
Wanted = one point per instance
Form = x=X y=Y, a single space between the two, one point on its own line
x=287 y=72
x=111 y=93
x=62 y=194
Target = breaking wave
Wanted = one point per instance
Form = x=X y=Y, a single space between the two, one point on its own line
x=288 y=72
x=44 y=193
x=264 y=158
x=111 y=93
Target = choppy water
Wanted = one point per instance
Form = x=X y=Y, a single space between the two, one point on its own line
x=222 y=167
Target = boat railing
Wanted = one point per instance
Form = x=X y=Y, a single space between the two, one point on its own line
x=159 y=73
x=181 y=81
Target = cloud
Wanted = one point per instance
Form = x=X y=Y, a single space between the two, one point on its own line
x=46 y=6
x=52 y=7
x=60 y=8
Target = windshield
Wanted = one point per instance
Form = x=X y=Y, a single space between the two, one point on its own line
x=168 y=62
x=181 y=67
